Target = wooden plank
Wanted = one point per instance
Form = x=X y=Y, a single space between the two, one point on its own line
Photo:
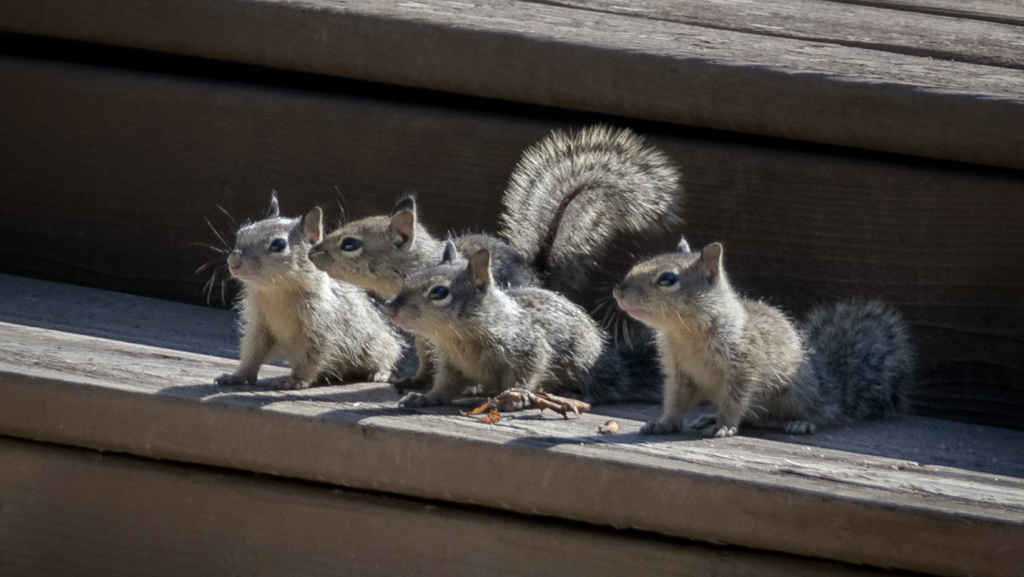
x=96 y=200
x=576 y=59
x=745 y=491
x=999 y=11
x=911 y=33
x=182 y=327
x=70 y=511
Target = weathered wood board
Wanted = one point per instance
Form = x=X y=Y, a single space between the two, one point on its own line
x=962 y=39
x=113 y=190
x=750 y=491
x=876 y=77
x=182 y=327
x=69 y=511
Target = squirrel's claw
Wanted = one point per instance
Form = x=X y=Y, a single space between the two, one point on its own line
x=290 y=383
x=720 y=432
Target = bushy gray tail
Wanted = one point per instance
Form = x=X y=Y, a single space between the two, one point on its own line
x=861 y=355
x=625 y=373
x=572 y=193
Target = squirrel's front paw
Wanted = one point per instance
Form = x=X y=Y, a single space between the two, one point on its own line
x=658 y=428
x=410 y=384
x=229 y=379
x=718 y=432
x=290 y=383
x=413 y=400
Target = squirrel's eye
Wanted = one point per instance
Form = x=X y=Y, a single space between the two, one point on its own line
x=667 y=279
x=278 y=244
x=440 y=295
x=350 y=243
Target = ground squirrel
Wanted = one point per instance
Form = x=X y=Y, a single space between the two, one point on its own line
x=379 y=252
x=568 y=198
x=528 y=338
x=847 y=361
x=325 y=328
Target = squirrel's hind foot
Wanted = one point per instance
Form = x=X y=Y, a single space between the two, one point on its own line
x=706 y=424
x=411 y=384
x=290 y=383
x=232 y=379
x=658 y=428
x=413 y=400
x=719 y=432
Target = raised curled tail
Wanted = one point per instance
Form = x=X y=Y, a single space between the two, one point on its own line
x=862 y=357
x=572 y=193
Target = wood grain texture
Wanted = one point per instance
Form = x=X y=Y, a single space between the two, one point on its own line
x=811 y=90
x=108 y=177
x=999 y=11
x=745 y=491
x=858 y=26
x=75 y=512
x=183 y=327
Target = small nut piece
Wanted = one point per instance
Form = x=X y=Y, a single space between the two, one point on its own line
x=609 y=428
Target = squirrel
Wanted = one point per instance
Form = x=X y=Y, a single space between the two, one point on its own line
x=567 y=199
x=527 y=337
x=847 y=361
x=324 y=327
x=379 y=252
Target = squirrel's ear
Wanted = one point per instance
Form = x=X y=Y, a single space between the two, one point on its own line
x=404 y=223
x=480 y=268
x=711 y=256
x=451 y=254
x=313 y=226
x=407 y=203
x=275 y=210
x=684 y=247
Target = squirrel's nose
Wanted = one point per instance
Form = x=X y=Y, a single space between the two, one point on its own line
x=617 y=292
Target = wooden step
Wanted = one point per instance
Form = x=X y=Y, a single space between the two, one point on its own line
x=768 y=492
x=113 y=175
x=932 y=79
x=77 y=512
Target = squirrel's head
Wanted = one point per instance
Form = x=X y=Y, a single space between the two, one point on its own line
x=273 y=251
x=439 y=299
x=665 y=289
x=377 y=253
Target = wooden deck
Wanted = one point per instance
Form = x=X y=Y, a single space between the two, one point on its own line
x=765 y=492
x=932 y=79
x=77 y=512
x=114 y=191
x=838 y=148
